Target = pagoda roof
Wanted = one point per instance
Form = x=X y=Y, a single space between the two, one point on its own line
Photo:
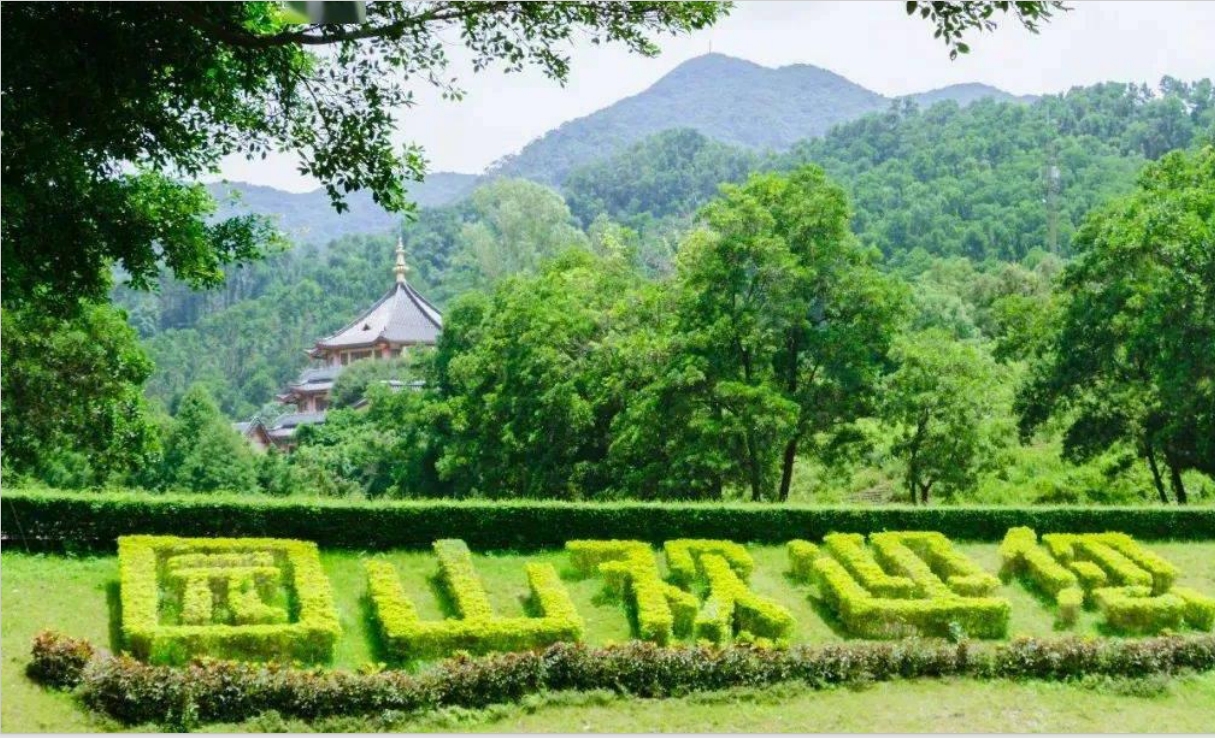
x=401 y=316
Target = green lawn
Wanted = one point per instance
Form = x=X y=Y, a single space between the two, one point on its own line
x=76 y=596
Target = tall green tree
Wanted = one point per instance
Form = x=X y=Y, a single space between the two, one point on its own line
x=106 y=105
x=203 y=452
x=1133 y=355
x=955 y=19
x=72 y=406
x=788 y=319
x=513 y=225
x=944 y=402
x=522 y=411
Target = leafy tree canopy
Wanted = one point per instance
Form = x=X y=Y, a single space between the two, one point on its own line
x=1133 y=356
x=955 y=19
x=203 y=452
x=72 y=406
x=106 y=105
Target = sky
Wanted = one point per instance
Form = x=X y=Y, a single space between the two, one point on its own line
x=874 y=44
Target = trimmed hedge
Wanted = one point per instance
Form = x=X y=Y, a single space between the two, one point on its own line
x=684 y=558
x=661 y=611
x=478 y=630
x=96 y=520
x=148 y=563
x=1020 y=556
x=801 y=560
x=732 y=607
x=1130 y=585
x=873 y=603
x=223 y=691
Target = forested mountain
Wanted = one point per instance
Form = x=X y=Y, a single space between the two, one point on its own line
x=729 y=100
x=308 y=217
x=966 y=93
x=946 y=181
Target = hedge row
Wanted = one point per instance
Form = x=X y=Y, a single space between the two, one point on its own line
x=98 y=519
x=1129 y=584
x=684 y=558
x=660 y=610
x=215 y=691
x=1020 y=556
x=143 y=560
x=874 y=604
x=732 y=607
x=477 y=630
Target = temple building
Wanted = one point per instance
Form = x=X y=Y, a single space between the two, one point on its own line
x=398 y=322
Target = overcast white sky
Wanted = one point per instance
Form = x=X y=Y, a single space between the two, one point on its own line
x=874 y=44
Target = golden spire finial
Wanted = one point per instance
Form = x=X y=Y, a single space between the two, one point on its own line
x=400 y=269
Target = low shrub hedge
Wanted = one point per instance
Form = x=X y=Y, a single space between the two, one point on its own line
x=732 y=607
x=871 y=602
x=146 y=563
x=478 y=630
x=1136 y=610
x=96 y=520
x=1021 y=556
x=684 y=558
x=660 y=610
x=224 y=691
x=1131 y=585
x=849 y=549
x=801 y=560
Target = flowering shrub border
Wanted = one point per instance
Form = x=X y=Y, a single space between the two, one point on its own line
x=224 y=691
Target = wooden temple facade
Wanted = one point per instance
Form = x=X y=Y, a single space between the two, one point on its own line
x=398 y=322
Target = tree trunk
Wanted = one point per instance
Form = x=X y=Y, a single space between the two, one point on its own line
x=1178 y=485
x=1151 y=457
x=753 y=464
x=786 y=473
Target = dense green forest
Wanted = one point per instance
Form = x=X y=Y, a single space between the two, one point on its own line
x=594 y=317
x=588 y=332
x=973 y=182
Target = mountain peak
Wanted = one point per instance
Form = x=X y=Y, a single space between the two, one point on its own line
x=731 y=100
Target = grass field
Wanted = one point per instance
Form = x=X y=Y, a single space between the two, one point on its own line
x=78 y=597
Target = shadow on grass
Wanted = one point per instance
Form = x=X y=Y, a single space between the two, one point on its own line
x=372 y=634
x=113 y=601
x=828 y=616
x=1047 y=601
x=447 y=605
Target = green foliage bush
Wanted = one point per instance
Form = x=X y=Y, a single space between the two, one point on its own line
x=661 y=610
x=148 y=568
x=224 y=691
x=98 y=519
x=1134 y=609
x=1132 y=586
x=684 y=558
x=1020 y=556
x=478 y=629
x=801 y=559
x=914 y=598
x=1199 y=608
x=732 y=607
x=849 y=549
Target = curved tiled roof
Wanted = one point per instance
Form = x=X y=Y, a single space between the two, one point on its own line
x=400 y=316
